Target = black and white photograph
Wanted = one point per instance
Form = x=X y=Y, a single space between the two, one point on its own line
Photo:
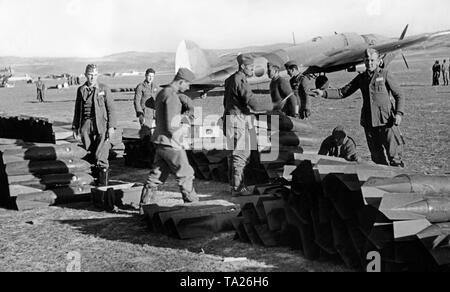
x=225 y=141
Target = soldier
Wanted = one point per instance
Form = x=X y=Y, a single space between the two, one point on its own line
x=144 y=105
x=445 y=72
x=237 y=122
x=379 y=117
x=170 y=156
x=94 y=120
x=436 y=73
x=40 y=87
x=301 y=86
x=340 y=145
x=281 y=92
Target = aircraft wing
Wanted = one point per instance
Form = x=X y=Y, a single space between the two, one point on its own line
x=353 y=55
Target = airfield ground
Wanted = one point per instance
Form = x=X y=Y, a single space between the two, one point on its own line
x=40 y=240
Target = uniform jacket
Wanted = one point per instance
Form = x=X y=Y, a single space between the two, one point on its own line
x=301 y=86
x=237 y=94
x=346 y=151
x=144 y=99
x=105 y=112
x=168 y=107
x=377 y=109
x=40 y=85
x=279 y=90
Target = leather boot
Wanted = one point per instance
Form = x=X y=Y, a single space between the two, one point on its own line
x=103 y=177
x=147 y=197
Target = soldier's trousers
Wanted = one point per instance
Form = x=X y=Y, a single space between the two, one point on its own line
x=445 y=77
x=385 y=145
x=169 y=160
x=40 y=96
x=239 y=147
x=145 y=133
x=95 y=143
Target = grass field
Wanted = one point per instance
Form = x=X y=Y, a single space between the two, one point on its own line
x=40 y=240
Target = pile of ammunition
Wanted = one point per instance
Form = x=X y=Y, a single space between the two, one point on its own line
x=335 y=208
x=188 y=221
x=28 y=129
x=35 y=175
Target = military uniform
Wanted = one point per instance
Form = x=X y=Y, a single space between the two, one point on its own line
x=436 y=74
x=144 y=105
x=237 y=125
x=301 y=86
x=378 y=113
x=346 y=151
x=40 y=87
x=170 y=156
x=445 y=73
x=94 y=114
x=279 y=90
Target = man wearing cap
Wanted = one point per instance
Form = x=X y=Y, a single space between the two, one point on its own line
x=144 y=105
x=301 y=86
x=340 y=145
x=95 y=119
x=283 y=97
x=170 y=156
x=379 y=117
x=40 y=87
x=237 y=123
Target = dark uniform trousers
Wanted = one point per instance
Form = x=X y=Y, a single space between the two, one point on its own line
x=95 y=143
x=385 y=137
x=237 y=127
x=40 y=95
x=170 y=160
x=238 y=135
x=378 y=114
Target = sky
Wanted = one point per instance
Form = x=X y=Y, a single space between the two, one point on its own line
x=95 y=28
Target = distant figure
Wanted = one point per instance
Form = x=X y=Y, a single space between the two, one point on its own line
x=283 y=98
x=78 y=81
x=445 y=72
x=340 y=145
x=40 y=87
x=436 y=73
x=301 y=85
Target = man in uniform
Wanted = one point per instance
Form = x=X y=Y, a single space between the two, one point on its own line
x=144 y=105
x=95 y=119
x=340 y=145
x=281 y=92
x=436 y=73
x=445 y=72
x=237 y=122
x=40 y=87
x=380 y=119
x=170 y=156
x=301 y=86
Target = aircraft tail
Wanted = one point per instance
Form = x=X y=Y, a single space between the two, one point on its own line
x=189 y=55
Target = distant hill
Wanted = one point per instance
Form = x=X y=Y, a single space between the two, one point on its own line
x=139 y=61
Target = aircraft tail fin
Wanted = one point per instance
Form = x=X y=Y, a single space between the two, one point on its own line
x=189 y=55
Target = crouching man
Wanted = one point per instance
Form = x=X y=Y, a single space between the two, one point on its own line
x=340 y=145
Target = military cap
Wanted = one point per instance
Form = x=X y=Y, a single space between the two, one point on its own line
x=185 y=74
x=245 y=59
x=290 y=64
x=339 y=132
x=91 y=68
x=149 y=71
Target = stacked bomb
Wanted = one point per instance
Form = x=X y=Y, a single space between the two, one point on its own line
x=337 y=208
x=35 y=175
x=28 y=129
